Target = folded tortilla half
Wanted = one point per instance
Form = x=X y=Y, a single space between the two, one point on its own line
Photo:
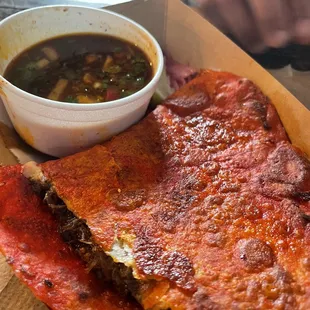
x=40 y=258
x=202 y=205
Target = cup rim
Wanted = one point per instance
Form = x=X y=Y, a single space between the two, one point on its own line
x=90 y=106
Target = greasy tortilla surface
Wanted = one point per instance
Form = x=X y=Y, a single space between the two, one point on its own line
x=40 y=259
x=209 y=194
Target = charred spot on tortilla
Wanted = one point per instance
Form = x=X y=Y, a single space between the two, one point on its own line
x=83 y=296
x=10 y=260
x=48 y=283
x=303 y=196
x=306 y=217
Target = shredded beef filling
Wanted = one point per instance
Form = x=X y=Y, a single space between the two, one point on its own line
x=76 y=233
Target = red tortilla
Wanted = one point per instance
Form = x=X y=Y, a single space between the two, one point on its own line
x=41 y=260
x=210 y=195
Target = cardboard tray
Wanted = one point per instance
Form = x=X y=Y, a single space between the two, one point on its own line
x=191 y=40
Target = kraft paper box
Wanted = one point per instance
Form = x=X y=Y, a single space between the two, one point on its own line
x=191 y=40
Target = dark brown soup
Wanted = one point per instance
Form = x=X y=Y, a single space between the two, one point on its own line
x=81 y=68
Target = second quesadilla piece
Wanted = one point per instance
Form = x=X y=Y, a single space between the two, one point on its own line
x=40 y=259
